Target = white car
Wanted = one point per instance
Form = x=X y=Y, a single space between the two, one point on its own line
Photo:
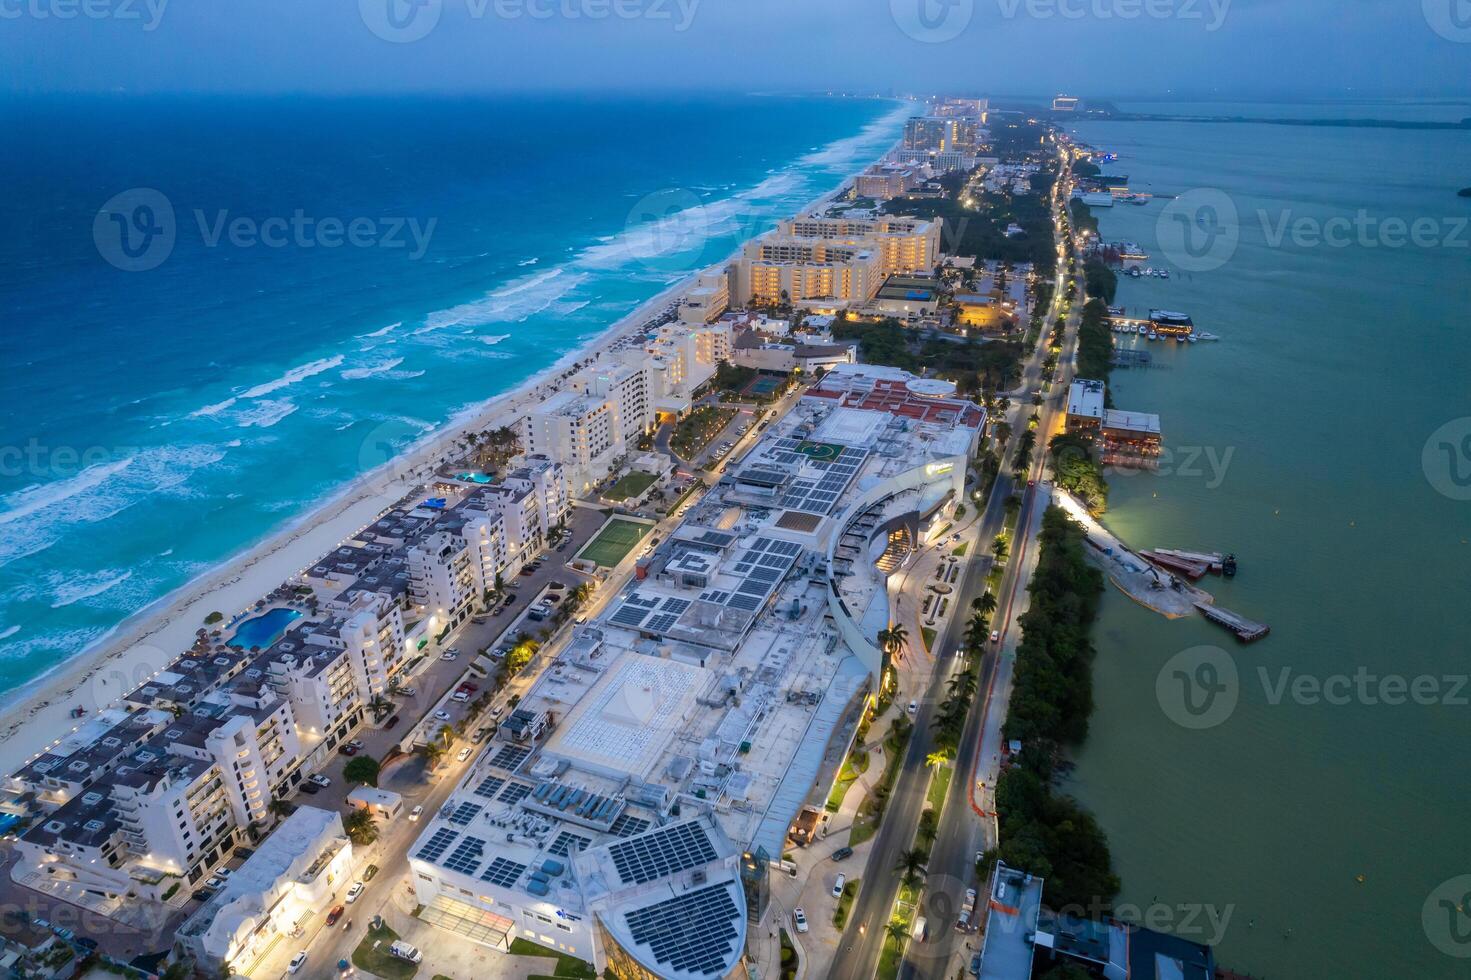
x=838 y=884
x=799 y=919
x=449 y=655
x=464 y=753
x=408 y=692
x=995 y=635
x=355 y=892
x=214 y=882
x=317 y=779
x=297 y=962
x=356 y=743
x=913 y=707
x=441 y=715
x=416 y=813
x=460 y=696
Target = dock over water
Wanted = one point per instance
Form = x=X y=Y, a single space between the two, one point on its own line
x=1246 y=630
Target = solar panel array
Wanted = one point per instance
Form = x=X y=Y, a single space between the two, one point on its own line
x=627 y=825
x=695 y=932
x=466 y=858
x=630 y=616
x=434 y=849
x=661 y=623
x=510 y=757
x=514 y=793
x=503 y=872
x=489 y=786
x=567 y=842
x=464 y=813
x=664 y=852
x=675 y=605
x=817 y=494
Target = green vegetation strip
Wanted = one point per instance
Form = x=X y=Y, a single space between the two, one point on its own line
x=1041 y=829
x=845 y=903
x=854 y=766
x=871 y=810
x=378 y=961
x=631 y=485
x=567 y=966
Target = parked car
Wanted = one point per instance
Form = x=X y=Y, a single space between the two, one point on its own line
x=356 y=743
x=317 y=779
x=408 y=692
x=297 y=962
x=460 y=696
x=369 y=872
x=391 y=722
x=995 y=635
x=349 y=750
x=335 y=914
x=404 y=951
x=842 y=853
x=464 y=753
x=310 y=788
x=838 y=884
x=213 y=882
x=449 y=655
x=441 y=715
x=913 y=707
x=416 y=812
x=355 y=892
x=469 y=687
x=799 y=919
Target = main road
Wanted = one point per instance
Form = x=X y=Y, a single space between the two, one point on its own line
x=954 y=851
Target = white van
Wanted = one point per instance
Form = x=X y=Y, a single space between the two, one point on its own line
x=917 y=933
x=404 y=951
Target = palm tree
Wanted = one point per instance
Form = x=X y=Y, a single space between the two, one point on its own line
x=986 y=604
x=893 y=639
x=379 y=704
x=432 y=752
x=999 y=548
x=361 y=828
x=938 y=758
x=911 y=866
x=897 y=930
x=446 y=732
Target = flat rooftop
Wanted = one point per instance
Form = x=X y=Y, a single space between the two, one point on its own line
x=1085 y=399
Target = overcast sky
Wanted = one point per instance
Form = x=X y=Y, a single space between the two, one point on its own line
x=1099 y=48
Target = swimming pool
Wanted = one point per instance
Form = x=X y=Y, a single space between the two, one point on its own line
x=475 y=477
x=264 y=629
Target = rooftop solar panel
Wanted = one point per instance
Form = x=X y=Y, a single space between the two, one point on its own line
x=464 y=813
x=566 y=843
x=669 y=850
x=503 y=872
x=629 y=616
x=435 y=847
x=627 y=825
x=676 y=606
x=661 y=622
x=514 y=793
x=750 y=603
x=466 y=858
x=489 y=786
x=510 y=757
x=691 y=933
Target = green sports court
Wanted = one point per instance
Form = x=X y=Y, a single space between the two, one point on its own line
x=612 y=544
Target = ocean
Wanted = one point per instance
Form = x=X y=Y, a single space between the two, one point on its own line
x=219 y=311
x=1307 y=794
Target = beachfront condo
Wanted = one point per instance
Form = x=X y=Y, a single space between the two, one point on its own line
x=708 y=298
x=941 y=134
x=904 y=244
x=777 y=269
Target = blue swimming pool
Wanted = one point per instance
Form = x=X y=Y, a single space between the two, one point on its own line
x=475 y=477
x=264 y=629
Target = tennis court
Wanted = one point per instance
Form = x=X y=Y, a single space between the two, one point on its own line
x=763 y=386
x=613 y=543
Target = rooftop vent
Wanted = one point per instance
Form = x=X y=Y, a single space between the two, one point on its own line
x=92 y=799
x=94 y=825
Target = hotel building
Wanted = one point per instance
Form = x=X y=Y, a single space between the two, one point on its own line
x=784 y=268
x=904 y=244
x=941 y=134
x=629 y=808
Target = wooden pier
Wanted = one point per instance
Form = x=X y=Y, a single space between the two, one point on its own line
x=1245 y=629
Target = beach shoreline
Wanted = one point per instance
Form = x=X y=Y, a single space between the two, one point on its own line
x=37 y=715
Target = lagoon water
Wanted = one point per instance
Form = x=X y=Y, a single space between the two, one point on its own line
x=1300 y=443
x=156 y=421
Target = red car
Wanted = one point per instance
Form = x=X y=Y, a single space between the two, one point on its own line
x=335 y=914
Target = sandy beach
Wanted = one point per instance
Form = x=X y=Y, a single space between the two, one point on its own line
x=38 y=715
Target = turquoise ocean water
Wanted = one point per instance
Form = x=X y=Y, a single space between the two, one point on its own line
x=159 y=416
